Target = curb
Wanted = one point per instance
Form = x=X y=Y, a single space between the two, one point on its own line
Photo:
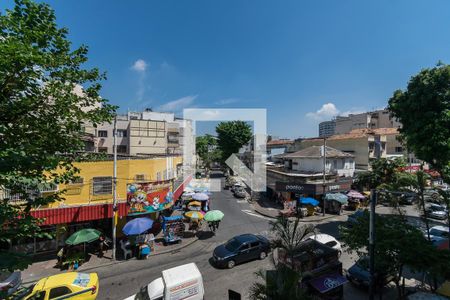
x=124 y=261
x=304 y=220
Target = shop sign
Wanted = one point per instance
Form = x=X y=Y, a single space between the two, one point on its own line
x=301 y=188
x=149 y=197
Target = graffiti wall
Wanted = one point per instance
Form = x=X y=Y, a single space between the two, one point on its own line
x=148 y=197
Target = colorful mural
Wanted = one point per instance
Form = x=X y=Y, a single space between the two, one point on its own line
x=149 y=197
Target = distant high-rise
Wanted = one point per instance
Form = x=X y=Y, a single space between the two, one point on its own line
x=327 y=128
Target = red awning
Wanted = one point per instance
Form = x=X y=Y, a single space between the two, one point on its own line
x=73 y=214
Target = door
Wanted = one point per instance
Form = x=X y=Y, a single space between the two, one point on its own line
x=255 y=249
x=244 y=253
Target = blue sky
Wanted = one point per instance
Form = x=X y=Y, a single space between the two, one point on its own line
x=304 y=61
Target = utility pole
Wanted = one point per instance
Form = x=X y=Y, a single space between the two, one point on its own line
x=324 y=171
x=373 y=202
x=114 y=206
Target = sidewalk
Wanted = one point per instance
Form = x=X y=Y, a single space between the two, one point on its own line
x=272 y=210
x=46 y=268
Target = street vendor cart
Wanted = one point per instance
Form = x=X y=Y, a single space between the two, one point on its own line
x=173 y=228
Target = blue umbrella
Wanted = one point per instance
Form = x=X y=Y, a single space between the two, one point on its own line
x=308 y=201
x=137 y=226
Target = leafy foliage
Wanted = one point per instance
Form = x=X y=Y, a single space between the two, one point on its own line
x=43 y=111
x=398 y=244
x=206 y=149
x=424 y=111
x=231 y=136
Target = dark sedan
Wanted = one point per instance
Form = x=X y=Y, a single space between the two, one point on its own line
x=359 y=274
x=240 y=249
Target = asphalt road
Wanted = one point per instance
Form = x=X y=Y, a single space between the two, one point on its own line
x=122 y=280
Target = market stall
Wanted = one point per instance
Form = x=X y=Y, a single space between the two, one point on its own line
x=173 y=228
x=76 y=255
x=334 y=202
x=142 y=241
x=309 y=205
x=355 y=199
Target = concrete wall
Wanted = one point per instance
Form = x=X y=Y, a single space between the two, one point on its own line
x=107 y=142
x=346 y=124
x=340 y=166
x=148 y=137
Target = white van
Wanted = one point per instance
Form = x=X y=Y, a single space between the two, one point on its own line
x=182 y=282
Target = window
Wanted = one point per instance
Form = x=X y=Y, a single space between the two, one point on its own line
x=39 y=296
x=102 y=185
x=103 y=149
x=103 y=133
x=254 y=244
x=244 y=247
x=59 y=291
x=398 y=149
x=139 y=177
x=78 y=180
x=122 y=149
x=331 y=244
x=122 y=133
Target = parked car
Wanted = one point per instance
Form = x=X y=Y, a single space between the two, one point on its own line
x=439 y=231
x=409 y=198
x=328 y=240
x=437 y=211
x=73 y=285
x=239 y=192
x=240 y=249
x=359 y=274
x=432 y=195
x=10 y=281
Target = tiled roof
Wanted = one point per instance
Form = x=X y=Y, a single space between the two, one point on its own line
x=358 y=133
x=316 y=151
x=279 y=142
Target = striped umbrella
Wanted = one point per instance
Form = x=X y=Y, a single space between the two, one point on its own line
x=194 y=215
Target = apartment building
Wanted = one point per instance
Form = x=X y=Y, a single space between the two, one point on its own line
x=371 y=120
x=146 y=133
x=327 y=128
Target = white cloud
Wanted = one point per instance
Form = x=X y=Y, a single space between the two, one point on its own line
x=177 y=105
x=139 y=66
x=327 y=111
x=226 y=101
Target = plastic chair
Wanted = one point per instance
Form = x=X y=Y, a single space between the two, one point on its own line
x=126 y=251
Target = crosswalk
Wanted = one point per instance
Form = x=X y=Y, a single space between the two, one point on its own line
x=251 y=213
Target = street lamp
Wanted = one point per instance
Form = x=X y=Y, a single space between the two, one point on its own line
x=324 y=171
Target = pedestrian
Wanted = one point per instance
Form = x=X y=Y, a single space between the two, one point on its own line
x=101 y=245
x=61 y=255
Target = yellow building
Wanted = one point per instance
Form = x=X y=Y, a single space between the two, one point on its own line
x=94 y=185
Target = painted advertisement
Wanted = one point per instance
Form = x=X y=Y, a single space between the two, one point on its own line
x=148 y=197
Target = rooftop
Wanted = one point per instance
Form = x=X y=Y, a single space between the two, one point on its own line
x=358 y=133
x=316 y=152
x=280 y=142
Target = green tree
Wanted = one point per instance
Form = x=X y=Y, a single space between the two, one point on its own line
x=399 y=245
x=231 y=136
x=42 y=118
x=424 y=112
x=284 y=282
x=203 y=146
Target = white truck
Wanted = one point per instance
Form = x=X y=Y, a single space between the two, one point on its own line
x=182 y=282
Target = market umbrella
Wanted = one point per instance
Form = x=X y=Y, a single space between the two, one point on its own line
x=137 y=226
x=308 y=201
x=195 y=203
x=188 y=194
x=341 y=198
x=200 y=196
x=214 y=215
x=194 y=215
x=83 y=236
x=356 y=195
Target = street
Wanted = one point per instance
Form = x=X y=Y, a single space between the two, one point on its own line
x=124 y=279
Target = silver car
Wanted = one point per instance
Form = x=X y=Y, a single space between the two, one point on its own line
x=10 y=281
x=437 y=211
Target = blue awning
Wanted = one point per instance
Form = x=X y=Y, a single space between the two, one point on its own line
x=172 y=218
x=308 y=201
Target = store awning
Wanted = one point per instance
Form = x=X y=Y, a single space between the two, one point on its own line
x=308 y=201
x=327 y=282
x=341 y=198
